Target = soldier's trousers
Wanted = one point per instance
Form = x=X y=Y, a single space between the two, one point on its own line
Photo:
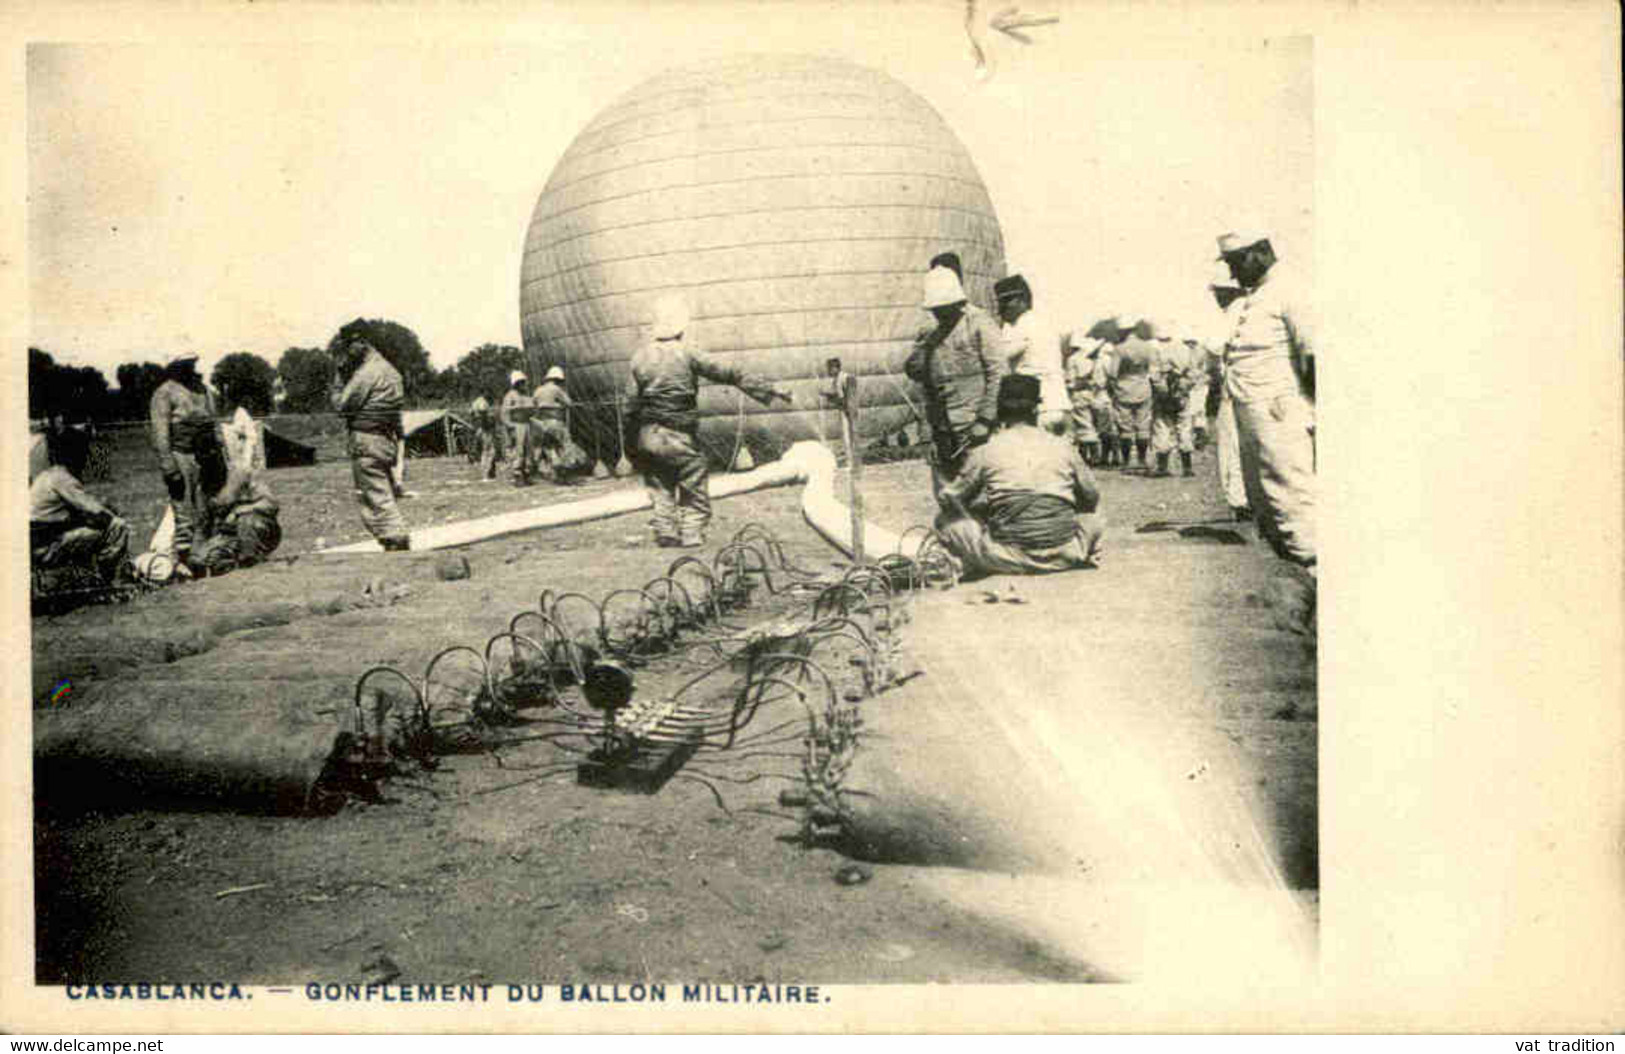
x=678 y=480
x=1273 y=428
x=1171 y=428
x=1083 y=424
x=105 y=548
x=519 y=449
x=979 y=554
x=192 y=518
x=490 y=451
x=1133 y=420
x=372 y=464
x=1230 y=481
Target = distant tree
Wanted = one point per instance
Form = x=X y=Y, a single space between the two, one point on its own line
x=306 y=375
x=244 y=379
x=41 y=374
x=136 y=383
x=449 y=386
x=90 y=392
x=396 y=343
x=75 y=393
x=484 y=371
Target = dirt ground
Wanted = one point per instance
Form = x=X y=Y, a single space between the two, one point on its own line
x=478 y=872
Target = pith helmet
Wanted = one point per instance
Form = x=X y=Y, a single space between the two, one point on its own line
x=1245 y=234
x=671 y=317
x=942 y=288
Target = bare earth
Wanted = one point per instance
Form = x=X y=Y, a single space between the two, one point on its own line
x=476 y=872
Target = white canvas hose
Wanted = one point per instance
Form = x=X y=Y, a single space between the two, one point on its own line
x=617 y=503
x=806 y=461
x=831 y=518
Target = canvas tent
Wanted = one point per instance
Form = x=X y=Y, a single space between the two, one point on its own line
x=433 y=433
x=282 y=452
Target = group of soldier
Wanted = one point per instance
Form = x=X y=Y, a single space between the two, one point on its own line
x=224 y=517
x=1020 y=415
x=534 y=426
x=1135 y=388
x=1019 y=418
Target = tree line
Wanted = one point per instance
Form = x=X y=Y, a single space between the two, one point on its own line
x=300 y=382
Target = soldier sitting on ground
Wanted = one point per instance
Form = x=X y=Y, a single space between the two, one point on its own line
x=67 y=525
x=1025 y=502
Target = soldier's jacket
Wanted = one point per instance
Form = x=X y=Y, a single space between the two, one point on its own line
x=1026 y=486
x=372 y=400
x=182 y=420
x=242 y=492
x=58 y=502
x=664 y=386
x=551 y=401
x=513 y=399
x=1088 y=377
x=1173 y=374
x=959 y=366
x=1132 y=380
x=1271 y=342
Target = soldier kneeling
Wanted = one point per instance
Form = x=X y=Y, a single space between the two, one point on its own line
x=243 y=516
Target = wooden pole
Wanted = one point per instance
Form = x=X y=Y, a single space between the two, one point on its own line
x=846 y=387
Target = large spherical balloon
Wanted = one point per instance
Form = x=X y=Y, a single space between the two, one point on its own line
x=795 y=202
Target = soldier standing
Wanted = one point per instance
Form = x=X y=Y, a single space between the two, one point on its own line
x=1172 y=378
x=958 y=362
x=184 y=431
x=662 y=406
x=1268 y=361
x=1131 y=392
x=371 y=402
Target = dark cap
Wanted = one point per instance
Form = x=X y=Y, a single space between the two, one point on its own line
x=950 y=261
x=1008 y=287
x=1018 y=391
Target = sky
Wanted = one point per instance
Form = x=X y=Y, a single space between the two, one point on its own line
x=227 y=196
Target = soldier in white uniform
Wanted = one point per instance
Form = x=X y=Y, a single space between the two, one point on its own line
x=1087 y=376
x=1267 y=357
x=1172 y=381
x=1031 y=347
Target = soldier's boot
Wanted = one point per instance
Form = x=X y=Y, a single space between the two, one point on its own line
x=1091 y=454
x=1140 y=446
x=663 y=524
x=397 y=544
x=1162 y=465
x=690 y=528
x=1125 y=450
x=1185 y=464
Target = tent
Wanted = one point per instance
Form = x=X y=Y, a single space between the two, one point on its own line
x=282 y=452
x=434 y=433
